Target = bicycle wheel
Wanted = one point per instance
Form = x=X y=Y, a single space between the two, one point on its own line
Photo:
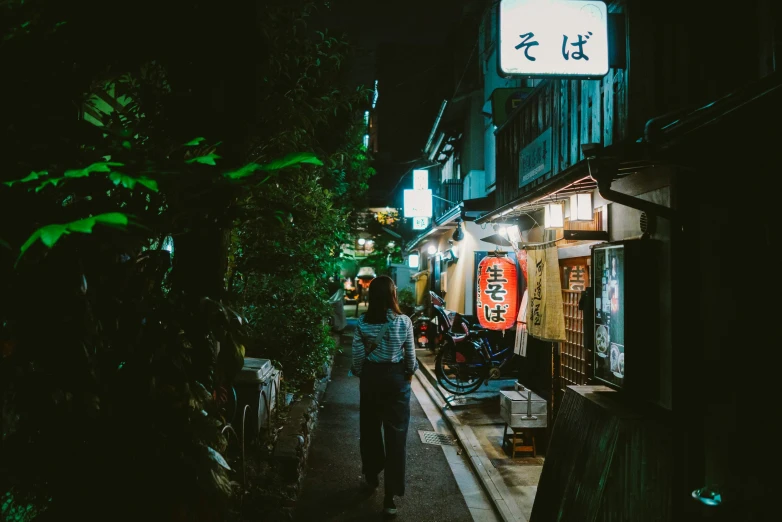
x=460 y=369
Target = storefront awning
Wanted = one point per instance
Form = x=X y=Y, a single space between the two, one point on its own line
x=573 y=179
x=631 y=157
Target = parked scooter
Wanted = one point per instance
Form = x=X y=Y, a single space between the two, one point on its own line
x=429 y=329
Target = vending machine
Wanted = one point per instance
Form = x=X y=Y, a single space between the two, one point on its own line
x=626 y=317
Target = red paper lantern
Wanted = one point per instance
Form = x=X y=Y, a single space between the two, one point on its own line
x=497 y=299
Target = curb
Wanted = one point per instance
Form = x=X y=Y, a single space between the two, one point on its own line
x=293 y=444
x=489 y=477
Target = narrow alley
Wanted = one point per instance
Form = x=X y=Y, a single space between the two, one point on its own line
x=440 y=485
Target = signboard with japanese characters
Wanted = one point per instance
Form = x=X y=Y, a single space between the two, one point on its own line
x=562 y=38
x=497 y=296
x=420 y=223
x=535 y=159
x=418 y=203
x=420 y=179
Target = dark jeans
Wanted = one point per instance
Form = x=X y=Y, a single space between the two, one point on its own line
x=385 y=413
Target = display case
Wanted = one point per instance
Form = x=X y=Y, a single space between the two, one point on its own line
x=626 y=312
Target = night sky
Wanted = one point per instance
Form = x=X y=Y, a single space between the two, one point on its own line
x=407 y=46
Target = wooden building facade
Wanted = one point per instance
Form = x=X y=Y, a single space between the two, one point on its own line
x=680 y=59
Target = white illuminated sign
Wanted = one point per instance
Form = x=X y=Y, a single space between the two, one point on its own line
x=420 y=179
x=412 y=261
x=420 y=223
x=553 y=38
x=418 y=203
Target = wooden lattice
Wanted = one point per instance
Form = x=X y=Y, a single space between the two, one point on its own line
x=573 y=360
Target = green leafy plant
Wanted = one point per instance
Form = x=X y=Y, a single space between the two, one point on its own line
x=115 y=352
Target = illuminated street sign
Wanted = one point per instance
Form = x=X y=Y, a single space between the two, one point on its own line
x=420 y=223
x=420 y=179
x=418 y=203
x=553 y=38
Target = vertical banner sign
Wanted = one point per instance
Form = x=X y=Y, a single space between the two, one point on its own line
x=553 y=38
x=520 y=343
x=420 y=180
x=497 y=298
x=418 y=203
x=545 y=312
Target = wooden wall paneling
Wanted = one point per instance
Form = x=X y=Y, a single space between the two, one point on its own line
x=608 y=109
x=556 y=124
x=564 y=119
x=575 y=112
x=586 y=119
x=620 y=106
x=596 y=135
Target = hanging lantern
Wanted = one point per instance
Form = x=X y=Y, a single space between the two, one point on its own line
x=553 y=216
x=581 y=207
x=497 y=299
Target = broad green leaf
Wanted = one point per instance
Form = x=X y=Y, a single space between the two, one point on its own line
x=151 y=184
x=30 y=177
x=287 y=161
x=243 y=172
x=50 y=234
x=129 y=182
x=292 y=159
x=101 y=166
x=82 y=225
x=27 y=244
x=194 y=142
x=209 y=159
x=51 y=181
x=113 y=218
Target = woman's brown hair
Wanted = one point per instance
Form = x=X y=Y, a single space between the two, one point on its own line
x=382 y=297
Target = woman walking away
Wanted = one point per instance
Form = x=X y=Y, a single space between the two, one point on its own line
x=384 y=359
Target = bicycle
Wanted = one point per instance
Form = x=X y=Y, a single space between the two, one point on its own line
x=468 y=360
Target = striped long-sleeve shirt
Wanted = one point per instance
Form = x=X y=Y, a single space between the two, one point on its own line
x=396 y=345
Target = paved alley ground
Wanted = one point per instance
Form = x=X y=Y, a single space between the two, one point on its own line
x=331 y=484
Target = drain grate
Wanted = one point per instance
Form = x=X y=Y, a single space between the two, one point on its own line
x=430 y=437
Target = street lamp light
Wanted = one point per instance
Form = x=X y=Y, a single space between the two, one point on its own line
x=432 y=250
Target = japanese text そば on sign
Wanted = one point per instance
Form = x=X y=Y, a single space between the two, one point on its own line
x=553 y=38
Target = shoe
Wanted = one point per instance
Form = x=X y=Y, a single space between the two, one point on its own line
x=389 y=508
